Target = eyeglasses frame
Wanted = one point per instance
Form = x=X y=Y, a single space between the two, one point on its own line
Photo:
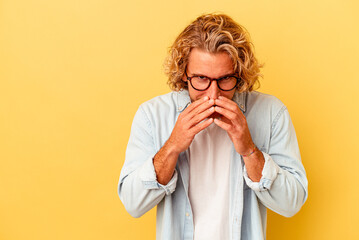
x=211 y=80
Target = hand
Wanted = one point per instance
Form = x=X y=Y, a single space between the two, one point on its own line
x=190 y=122
x=235 y=123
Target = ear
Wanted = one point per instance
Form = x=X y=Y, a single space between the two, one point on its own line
x=184 y=78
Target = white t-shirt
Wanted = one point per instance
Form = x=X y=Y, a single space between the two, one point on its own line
x=209 y=159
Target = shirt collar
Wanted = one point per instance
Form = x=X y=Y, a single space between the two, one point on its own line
x=183 y=100
x=241 y=100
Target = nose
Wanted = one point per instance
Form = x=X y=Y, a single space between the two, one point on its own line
x=213 y=91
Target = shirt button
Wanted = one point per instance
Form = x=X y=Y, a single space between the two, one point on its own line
x=187 y=214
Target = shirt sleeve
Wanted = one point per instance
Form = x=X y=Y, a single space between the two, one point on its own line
x=283 y=187
x=269 y=174
x=138 y=187
x=148 y=177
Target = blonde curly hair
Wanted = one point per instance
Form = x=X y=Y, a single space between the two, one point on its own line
x=214 y=33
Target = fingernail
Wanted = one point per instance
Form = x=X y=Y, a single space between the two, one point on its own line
x=206 y=98
x=211 y=101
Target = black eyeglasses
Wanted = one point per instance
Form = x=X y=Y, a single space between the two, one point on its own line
x=202 y=83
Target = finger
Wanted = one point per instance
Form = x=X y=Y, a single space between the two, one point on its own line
x=204 y=106
x=196 y=103
x=227 y=103
x=226 y=113
x=222 y=124
x=198 y=110
x=199 y=127
x=200 y=117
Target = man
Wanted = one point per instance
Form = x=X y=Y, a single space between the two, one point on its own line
x=213 y=154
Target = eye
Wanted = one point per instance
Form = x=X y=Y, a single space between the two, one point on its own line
x=203 y=79
x=226 y=79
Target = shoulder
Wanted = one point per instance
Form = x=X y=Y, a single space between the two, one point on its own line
x=158 y=116
x=165 y=101
x=264 y=106
x=264 y=102
x=263 y=113
x=263 y=99
x=160 y=109
x=173 y=101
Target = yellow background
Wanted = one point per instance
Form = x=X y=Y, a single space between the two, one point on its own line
x=73 y=73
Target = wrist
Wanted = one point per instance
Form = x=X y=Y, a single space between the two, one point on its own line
x=171 y=149
x=251 y=152
x=164 y=163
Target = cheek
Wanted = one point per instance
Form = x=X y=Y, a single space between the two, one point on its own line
x=191 y=94
x=195 y=95
x=228 y=95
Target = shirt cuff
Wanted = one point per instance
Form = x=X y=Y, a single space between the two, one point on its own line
x=149 y=180
x=269 y=174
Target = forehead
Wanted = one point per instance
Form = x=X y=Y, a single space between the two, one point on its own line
x=209 y=64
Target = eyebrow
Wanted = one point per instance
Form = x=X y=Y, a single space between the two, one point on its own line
x=203 y=75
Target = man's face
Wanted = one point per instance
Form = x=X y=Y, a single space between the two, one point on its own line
x=212 y=65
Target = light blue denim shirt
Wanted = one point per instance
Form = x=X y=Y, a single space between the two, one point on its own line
x=283 y=187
